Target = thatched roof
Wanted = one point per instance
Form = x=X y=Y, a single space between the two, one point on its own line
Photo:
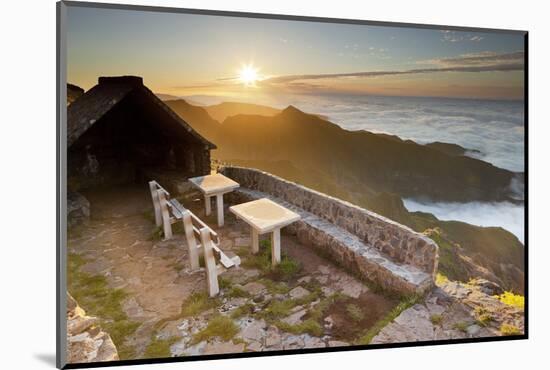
x=100 y=99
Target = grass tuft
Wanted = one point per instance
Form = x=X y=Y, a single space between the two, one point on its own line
x=286 y=270
x=483 y=316
x=436 y=319
x=159 y=348
x=237 y=292
x=197 y=303
x=355 y=312
x=219 y=326
x=309 y=326
x=461 y=326
x=244 y=310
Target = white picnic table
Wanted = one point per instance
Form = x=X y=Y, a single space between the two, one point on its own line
x=265 y=216
x=214 y=185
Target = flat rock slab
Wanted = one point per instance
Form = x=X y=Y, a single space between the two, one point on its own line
x=223 y=347
x=243 y=242
x=298 y=292
x=254 y=288
x=294 y=318
x=253 y=331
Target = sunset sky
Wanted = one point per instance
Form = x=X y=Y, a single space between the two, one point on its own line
x=181 y=54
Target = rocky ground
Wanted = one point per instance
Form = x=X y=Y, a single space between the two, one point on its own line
x=145 y=296
x=455 y=310
x=86 y=341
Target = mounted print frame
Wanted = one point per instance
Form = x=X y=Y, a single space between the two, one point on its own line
x=238 y=184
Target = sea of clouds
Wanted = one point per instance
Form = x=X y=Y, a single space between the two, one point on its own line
x=504 y=214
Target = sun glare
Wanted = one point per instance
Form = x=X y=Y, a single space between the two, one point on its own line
x=248 y=75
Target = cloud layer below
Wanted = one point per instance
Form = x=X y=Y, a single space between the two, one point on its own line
x=506 y=215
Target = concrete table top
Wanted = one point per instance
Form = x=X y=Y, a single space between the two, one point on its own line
x=214 y=184
x=264 y=215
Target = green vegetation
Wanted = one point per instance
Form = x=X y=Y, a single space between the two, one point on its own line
x=286 y=270
x=237 y=292
x=483 y=316
x=197 y=303
x=246 y=309
x=461 y=326
x=157 y=234
x=449 y=260
x=94 y=295
x=405 y=303
x=509 y=329
x=219 y=326
x=436 y=319
x=512 y=299
x=319 y=310
x=274 y=287
x=277 y=309
x=223 y=283
x=355 y=312
x=309 y=326
x=159 y=348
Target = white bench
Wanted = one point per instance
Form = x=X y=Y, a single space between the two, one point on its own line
x=169 y=211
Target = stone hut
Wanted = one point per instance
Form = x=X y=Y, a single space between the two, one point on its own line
x=119 y=131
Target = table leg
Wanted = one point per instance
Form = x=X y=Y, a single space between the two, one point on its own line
x=207 y=205
x=276 y=247
x=255 y=241
x=219 y=205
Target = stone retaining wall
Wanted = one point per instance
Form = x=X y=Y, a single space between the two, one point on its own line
x=394 y=240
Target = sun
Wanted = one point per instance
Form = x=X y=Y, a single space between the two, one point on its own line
x=248 y=75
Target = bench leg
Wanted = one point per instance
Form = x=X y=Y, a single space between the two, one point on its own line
x=276 y=247
x=210 y=264
x=207 y=205
x=167 y=227
x=255 y=241
x=191 y=242
x=219 y=206
x=156 y=205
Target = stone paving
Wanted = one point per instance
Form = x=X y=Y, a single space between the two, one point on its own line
x=118 y=243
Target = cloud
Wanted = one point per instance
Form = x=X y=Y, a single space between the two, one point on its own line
x=480 y=62
x=483 y=59
x=453 y=36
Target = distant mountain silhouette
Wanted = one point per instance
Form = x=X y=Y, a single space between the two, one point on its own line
x=165 y=97
x=197 y=117
x=227 y=109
